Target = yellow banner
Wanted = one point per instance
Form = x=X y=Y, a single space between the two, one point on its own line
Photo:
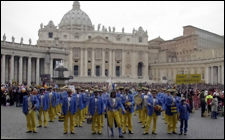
x=188 y=78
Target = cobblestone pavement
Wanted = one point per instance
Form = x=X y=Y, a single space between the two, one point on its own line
x=13 y=125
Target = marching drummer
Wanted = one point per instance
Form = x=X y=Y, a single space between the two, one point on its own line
x=171 y=111
x=96 y=109
x=154 y=108
x=128 y=103
x=113 y=104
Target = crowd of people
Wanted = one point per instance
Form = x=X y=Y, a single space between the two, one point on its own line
x=117 y=101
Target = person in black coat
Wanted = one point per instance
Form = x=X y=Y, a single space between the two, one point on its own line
x=203 y=103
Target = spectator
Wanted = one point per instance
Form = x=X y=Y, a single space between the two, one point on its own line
x=214 y=105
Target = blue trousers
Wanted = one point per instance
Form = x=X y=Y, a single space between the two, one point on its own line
x=214 y=115
x=185 y=122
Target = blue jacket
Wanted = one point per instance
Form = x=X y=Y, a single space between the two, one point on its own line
x=131 y=100
x=45 y=102
x=85 y=99
x=53 y=100
x=81 y=100
x=34 y=102
x=118 y=104
x=164 y=96
x=100 y=106
x=171 y=109
x=73 y=105
x=178 y=102
x=184 y=111
x=151 y=108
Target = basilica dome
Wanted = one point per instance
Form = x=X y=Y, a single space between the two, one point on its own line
x=76 y=19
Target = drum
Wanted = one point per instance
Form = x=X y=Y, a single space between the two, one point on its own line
x=89 y=119
x=61 y=118
x=138 y=99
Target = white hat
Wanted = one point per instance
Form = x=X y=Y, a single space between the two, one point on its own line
x=206 y=93
x=214 y=93
x=217 y=94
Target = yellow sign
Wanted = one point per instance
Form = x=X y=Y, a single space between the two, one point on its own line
x=188 y=78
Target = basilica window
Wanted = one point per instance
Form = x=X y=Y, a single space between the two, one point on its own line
x=106 y=54
x=50 y=35
x=89 y=37
x=106 y=38
x=128 y=39
x=76 y=70
x=89 y=72
x=65 y=36
x=106 y=73
x=76 y=37
x=140 y=39
x=118 y=39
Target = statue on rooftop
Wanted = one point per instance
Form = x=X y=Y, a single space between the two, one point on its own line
x=13 y=39
x=4 y=37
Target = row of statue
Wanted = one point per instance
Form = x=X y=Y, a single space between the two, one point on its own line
x=13 y=39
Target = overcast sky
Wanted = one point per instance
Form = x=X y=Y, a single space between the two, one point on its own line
x=164 y=19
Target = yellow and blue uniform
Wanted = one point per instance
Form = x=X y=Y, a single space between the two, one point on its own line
x=69 y=109
x=28 y=103
x=152 y=114
x=113 y=105
x=171 y=112
x=96 y=109
x=43 y=108
x=52 y=105
x=80 y=105
x=129 y=111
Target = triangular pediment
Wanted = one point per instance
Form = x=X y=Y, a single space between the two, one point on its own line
x=98 y=39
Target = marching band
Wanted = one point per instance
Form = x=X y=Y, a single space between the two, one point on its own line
x=117 y=106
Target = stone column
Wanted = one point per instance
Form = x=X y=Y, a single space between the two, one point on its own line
x=218 y=74
x=37 y=71
x=12 y=68
x=113 y=64
x=33 y=70
x=7 y=68
x=85 y=63
x=93 y=63
x=81 y=63
x=146 y=76
x=29 y=71
x=110 y=63
x=103 y=63
x=20 y=70
x=3 y=69
x=133 y=63
x=207 y=75
x=212 y=79
x=16 y=69
x=24 y=70
x=222 y=74
x=123 y=63
x=51 y=67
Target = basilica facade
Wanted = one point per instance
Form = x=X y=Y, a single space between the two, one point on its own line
x=98 y=53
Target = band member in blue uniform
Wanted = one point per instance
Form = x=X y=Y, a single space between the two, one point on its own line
x=113 y=104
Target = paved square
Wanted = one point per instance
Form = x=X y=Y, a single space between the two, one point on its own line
x=13 y=125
